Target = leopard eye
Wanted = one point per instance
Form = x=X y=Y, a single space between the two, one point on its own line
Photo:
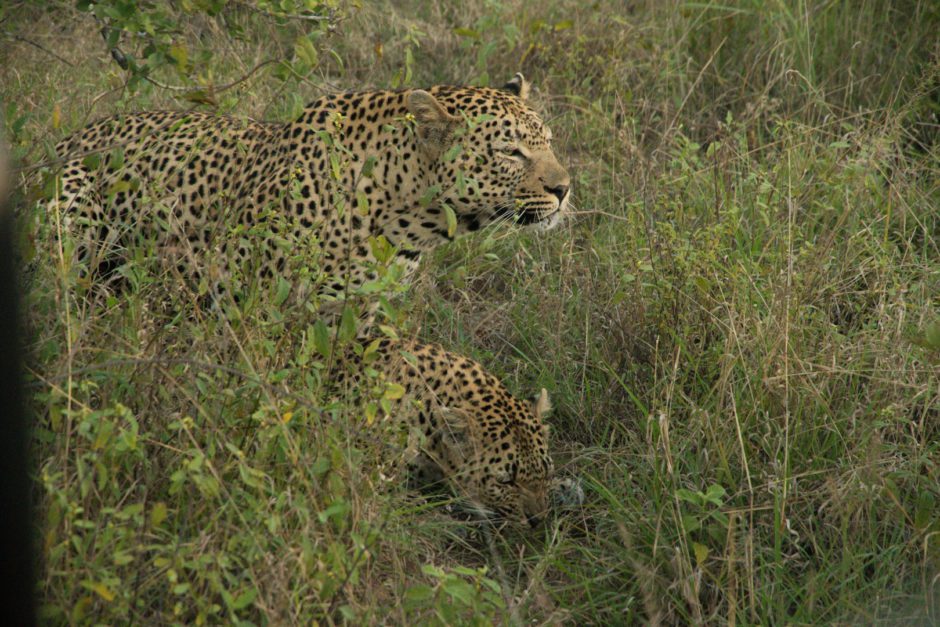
x=515 y=153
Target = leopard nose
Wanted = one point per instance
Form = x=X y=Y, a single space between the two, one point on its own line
x=558 y=192
x=534 y=521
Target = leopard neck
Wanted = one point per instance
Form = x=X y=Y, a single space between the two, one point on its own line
x=371 y=138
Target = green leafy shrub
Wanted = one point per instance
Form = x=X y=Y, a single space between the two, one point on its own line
x=738 y=325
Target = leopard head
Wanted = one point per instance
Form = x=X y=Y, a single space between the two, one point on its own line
x=500 y=462
x=488 y=155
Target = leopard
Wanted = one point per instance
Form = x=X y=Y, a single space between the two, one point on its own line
x=468 y=431
x=356 y=173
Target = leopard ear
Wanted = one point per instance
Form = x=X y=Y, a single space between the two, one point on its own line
x=542 y=405
x=434 y=123
x=426 y=108
x=518 y=86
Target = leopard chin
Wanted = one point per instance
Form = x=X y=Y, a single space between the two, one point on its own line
x=550 y=221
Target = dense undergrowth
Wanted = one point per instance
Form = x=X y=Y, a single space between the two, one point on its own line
x=739 y=326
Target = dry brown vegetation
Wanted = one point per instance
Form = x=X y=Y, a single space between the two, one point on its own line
x=740 y=327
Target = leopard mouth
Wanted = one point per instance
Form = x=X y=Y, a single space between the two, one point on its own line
x=539 y=216
x=539 y=219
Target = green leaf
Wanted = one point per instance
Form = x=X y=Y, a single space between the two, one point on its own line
x=382 y=249
x=158 y=514
x=451 y=220
x=433 y=571
x=18 y=124
x=245 y=599
x=409 y=357
x=453 y=152
x=180 y=55
x=283 y=291
x=460 y=590
x=100 y=589
x=429 y=195
x=122 y=558
x=362 y=203
x=409 y=63
x=563 y=25
x=388 y=331
x=130 y=511
x=336 y=509
x=335 y=166
x=469 y=33
x=689 y=496
x=347 y=325
x=306 y=51
x=320 y=466
x=321 y=337
x=92 y=162
x=371 y=349
x=701 y=552
x=715 y=494
x=118 y=187
x=369 y=166
x=489 y=583
x=417 y=595
x=370 y=287
x=931 y=337
x=394 y=391
x=250 y=476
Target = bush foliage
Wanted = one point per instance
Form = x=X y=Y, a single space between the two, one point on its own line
x=739 y=325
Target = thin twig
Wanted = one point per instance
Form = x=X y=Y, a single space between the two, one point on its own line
x=121 y=59
x=212 y=91
x=598 y=212
x=244 y=78
x=43 y=48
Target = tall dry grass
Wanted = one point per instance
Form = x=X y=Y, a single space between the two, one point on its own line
x=738 y=326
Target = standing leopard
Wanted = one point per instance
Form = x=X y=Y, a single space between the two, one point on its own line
x=415 y=168
x=471 y=433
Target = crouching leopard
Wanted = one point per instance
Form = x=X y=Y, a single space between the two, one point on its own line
x=470 y=432
x=414 y=167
